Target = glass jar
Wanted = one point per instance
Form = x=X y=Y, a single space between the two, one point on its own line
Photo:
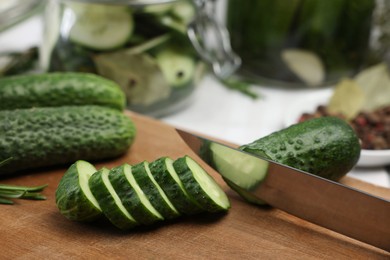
x=142 y=45
x=301 y=43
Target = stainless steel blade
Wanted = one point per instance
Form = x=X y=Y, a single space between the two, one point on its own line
x=323 y=202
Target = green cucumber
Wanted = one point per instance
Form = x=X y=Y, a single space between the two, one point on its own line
x=74 y=198
x=200 y=186
x=109 y=201
x=59 y=89
x=164 y=173
x=327 y=147
x=132 y=197
x=48 y=136
x=101 y=27
x=153 y=191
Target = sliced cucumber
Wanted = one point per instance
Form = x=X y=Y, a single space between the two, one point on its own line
x=73 y=196
x=132 y=197
x=200 y=186
x=99 y=26
x=153 y=191
x=166 y=176
x=177 y=66
x=243 y=170
x=109 y=201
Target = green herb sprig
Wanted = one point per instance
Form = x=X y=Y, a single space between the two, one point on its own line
x=9 y=192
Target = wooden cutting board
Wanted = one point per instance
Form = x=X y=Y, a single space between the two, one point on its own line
x=36 y=229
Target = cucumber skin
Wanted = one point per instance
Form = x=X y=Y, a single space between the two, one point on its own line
x=183 y=203
x=107 y=203
x=71 y=201
x=327 y=147
x=59 y=89
x=38 y=137
x=147 y=186
x=193 y=188
x=129 y=197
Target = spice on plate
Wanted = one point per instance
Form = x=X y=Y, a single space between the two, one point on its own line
x=373 y=128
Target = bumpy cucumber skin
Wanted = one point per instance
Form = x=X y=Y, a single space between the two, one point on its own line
x=129 y=197
x=183 y=203
x=39 y=137
x=59 y=89
x=327 y=147
x=193 y=188
x=151 y=192
x=107 y=203
x=70 y=199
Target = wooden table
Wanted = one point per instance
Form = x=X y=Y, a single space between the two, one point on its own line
x=36 y=229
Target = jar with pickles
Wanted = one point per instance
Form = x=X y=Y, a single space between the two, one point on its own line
x=142 y=45
x=304 y=43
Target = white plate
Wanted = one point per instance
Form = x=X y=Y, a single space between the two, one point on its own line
x=368 y=158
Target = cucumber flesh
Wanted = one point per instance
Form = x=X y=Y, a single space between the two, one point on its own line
x=153 y=191
x=132 y=196
x=243 y=170
x=101 y=27
x=74 y=198
x=177 y=66
x=166 y=176
x=200 y=186
x=109 y=201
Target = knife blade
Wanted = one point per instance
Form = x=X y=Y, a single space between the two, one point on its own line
x=326 y=203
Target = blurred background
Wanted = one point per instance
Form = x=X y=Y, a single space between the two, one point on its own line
x=235 y=70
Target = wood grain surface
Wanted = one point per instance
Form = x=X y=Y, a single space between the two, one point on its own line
x=36 y=229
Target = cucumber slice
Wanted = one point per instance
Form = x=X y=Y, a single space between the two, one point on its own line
x=177 y=66
x=73 y=196
x=101 y=27
x=244 y=170
x=200 y=186
x=132 y=196
x=153 y=191
x=166 y=176
x=109 y=201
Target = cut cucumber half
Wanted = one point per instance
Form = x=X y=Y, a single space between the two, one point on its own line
x=73 y=196
x=101 y=27
x=166 y=176
x=109 y=201
x=177 y=66
x=200 y=186
x=132 y=197
x=153 y=191
x=244 y=170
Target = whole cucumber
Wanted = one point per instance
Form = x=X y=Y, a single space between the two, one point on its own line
x=46 y=136
x=327 y=147
x=59 y=89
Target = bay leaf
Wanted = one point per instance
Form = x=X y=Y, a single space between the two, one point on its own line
x=375 y=83
x=348 y=99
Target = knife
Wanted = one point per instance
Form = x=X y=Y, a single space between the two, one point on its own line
x=329 y=204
